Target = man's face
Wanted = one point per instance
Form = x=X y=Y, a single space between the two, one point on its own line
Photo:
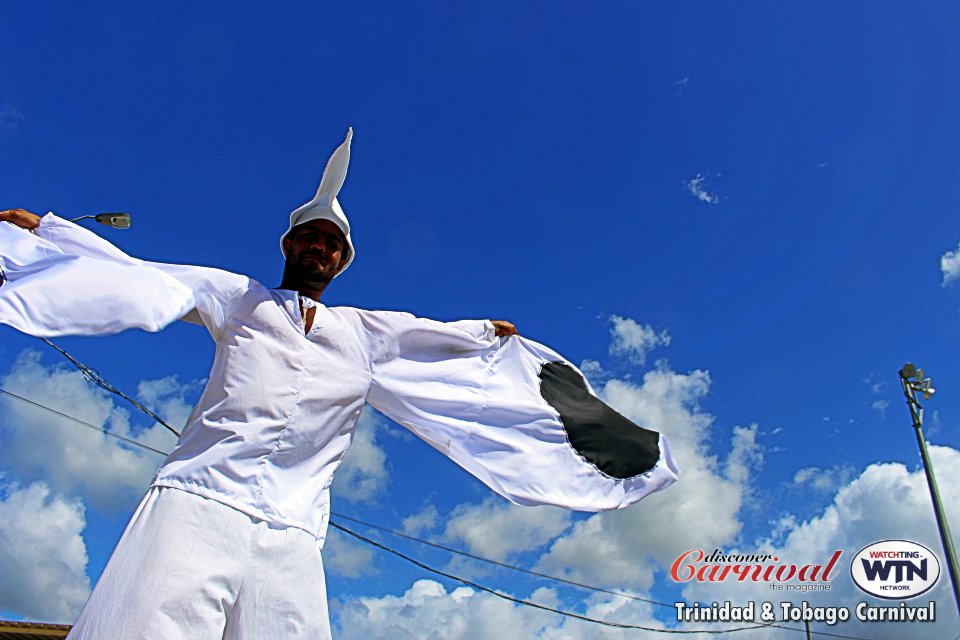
x=315 y=252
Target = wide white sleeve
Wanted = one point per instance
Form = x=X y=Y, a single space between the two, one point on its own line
x=516 y=415
x=65 y=280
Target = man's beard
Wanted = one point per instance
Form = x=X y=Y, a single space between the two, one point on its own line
x=316 y=279
x=307 y=276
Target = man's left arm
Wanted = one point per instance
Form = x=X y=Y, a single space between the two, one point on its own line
x=496 y=407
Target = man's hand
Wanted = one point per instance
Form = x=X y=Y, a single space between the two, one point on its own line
x=504 y=328
x=20 y=217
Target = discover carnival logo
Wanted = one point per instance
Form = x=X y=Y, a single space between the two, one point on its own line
x=895 y=569
x=721 y=567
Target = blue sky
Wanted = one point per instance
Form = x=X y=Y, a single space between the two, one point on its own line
x=739 y=216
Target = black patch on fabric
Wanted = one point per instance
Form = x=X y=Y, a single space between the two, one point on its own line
x=615 y=445
x=3 y=277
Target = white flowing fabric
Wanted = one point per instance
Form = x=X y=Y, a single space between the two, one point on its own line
x=280 y=407
x=46 y=291
x=483 y=408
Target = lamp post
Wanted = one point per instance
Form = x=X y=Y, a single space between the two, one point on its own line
x=914 y=381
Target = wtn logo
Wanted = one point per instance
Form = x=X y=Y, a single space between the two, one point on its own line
x=895 y=569
x=903 y=569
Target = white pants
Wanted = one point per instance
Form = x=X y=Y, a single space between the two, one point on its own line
x=194 y=569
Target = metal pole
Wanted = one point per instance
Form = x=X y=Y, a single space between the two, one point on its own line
x=916 y=412
x=809 y=635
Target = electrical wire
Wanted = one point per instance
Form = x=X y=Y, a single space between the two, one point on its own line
x=449 y=576
x=93 y=376
x=83 y=423
x=497 y=563
x=528 y=603
x=548 y=577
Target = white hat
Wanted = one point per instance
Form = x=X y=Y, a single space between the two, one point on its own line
x=324 y=205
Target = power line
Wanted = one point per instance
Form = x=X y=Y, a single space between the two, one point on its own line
x=498 y=563
x=548 y=577
x=93 y=376
x=462 y=553
x=83 y=423
x=528 y=603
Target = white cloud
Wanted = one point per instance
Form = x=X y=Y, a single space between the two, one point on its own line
x=42 y=553
x=950 y=266
x=633 y=340
x=169 y=398
x=824 y=480
x=109 y=475
x=427 y=611
x=746 y=454
x=934 y=425
x=627 y=548
x=592 y=370
x=172 y=401
x=680 y=85
x=697 y=187
x=363 y=475
x=10 y=117
x=497 y=529
x=880 y=406
x=424 y=520
x=345 y=556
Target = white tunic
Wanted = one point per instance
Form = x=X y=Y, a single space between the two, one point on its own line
x=280 y=407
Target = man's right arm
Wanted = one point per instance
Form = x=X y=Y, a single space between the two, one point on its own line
x=70 y=238
x=210 y=290
x=20 y=217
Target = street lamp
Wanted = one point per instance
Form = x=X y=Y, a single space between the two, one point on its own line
x=914 y=381
x=115 y=219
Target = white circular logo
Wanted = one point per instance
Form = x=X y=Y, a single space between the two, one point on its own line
x=895 y=569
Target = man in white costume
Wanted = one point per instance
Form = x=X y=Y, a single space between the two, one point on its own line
x=226 y=543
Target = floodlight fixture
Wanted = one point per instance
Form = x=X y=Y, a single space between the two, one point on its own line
x=908 y=371
x=115 y=219
x=915 y=379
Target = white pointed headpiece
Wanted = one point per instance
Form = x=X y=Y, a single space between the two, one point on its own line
x=324 y=205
